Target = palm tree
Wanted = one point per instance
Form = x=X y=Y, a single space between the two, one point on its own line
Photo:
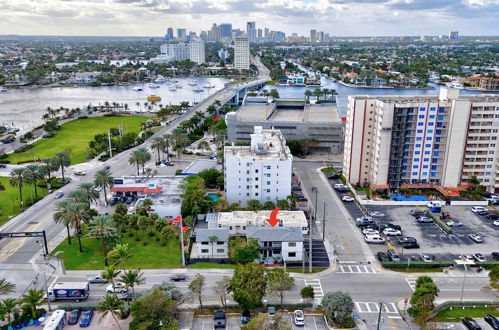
x=325 y=91
x=18 y=178
x=6 y=287
x=167 y=143
x=104 y=180
x=32 y=298
x=212 y=239
x=135 y=159
x=308 y=93
x=110 y=305
x=78 y=196
x=9 y=306
x=63 y=160
x=120 y=254
x=72 y=214
x=132 y=278
x=61 y=215
x=157 y=144
x=317 y=92
x=203 y=145
x=88 y=189
x=110 y=274
x=50 y=165
x=184 y=104
x=33 y=173
x=103 y=228
x=145 y=156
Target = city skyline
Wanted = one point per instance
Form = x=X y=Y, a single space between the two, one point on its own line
x=337 y=17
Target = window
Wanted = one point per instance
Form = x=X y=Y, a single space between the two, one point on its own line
x=425 y=166
x=432 y=108
x=247 y=187
x=421 y=116
x=420 y=124
x=268 y=182
x=220 y=250
x=292 y=244
x=418 y=146
x=430 y=131
x=435 y=153
x=429 y=138
x=419 y=138
x=437 y=139
x=414 y=173
x=256 y=178
x=433 y=174
x=415 y=166
x=205 y=243
x=256 y=186
x=427 y=152
x=422 y=109
x=268 y=190
x=433 y=167
x=424 y=173
x=427 y=145
x=268 y=167
x=256 y=194
x=431 y=124
x=204 y=250
x=441 y=110
x=426 y=159
x=440 y=124
x=417 y=152
x=222 y=243
x=416 y=160
x=440 y=117
x=489 y=166
x=432 y=116
x=292 y=254
x=256 y=171
x=420 y=131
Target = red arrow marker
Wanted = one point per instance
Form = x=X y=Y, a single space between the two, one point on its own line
x=273 y=217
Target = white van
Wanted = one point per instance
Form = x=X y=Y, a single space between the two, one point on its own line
x=435 y=204
x=374 y=239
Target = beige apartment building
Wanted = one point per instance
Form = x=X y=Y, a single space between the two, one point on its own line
x=442 y=140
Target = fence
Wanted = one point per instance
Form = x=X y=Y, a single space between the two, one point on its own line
x=449 y=304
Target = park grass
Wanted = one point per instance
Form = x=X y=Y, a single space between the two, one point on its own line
x=9 y=199
x=457 y=313
x=149 y=256
x=75 y=136
x=209 y=265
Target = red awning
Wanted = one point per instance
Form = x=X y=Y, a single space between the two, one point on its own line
x=145 y=190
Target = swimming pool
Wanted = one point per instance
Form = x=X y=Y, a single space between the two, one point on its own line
x=214 y=197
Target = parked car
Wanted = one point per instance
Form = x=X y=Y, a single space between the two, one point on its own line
x=370 y=231
x=417 y=213
x=425 y=219
x=74 y=316
x=96 y=279
x=408 y=243
x=483 y=213
x=391 y=225
x=118 y=287
x=492 y=321
x=453 y=223
x=382 y=256
x=245 y=316
x=178 y=277
x=377 y=214
x=59 y=194
x=475 y=209
x=364 y=221
x=79 y=173
x=495 y=256
x=347 y=198
x=467 y=257
x=496 y=223
x=338 y=185
x=479 y=257
x=164 y=162
x=299 y=318
x=392 y=232
x=271 y=311
x=3 y=166
x=219 y=320
x=86 y=318
x=374 y=239
x=476 y=238
x=392 y=255
x=425 y=258
x=471 y=324
x=492 y=216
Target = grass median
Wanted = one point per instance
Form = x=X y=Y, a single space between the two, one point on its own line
x=152 y=255
x=457 y=313
x=75 y=136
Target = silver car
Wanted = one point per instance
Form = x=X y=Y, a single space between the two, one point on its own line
x=476 y=238
x=299 y=318
x=96 y=279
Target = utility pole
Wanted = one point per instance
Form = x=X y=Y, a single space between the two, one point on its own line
x=315 y=190
x=464 y=283
x=109 y=140
x=379 y=314
x=324 y=223
x=182 y=241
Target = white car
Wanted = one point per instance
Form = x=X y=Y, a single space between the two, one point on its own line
x=425 y=258
x=424 y=219
x=119 y=287
x=377 y=214
x=370 y=231
x=475 y=238
x=467 y=257
x=374 y=239
x=347 y=198
x=476 y=209
x=299 y=318
x=453 y=223
x=337 y=185
x=392 y=232
x=479 y=257
x=496 y=223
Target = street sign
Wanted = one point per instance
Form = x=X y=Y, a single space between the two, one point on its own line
x=355 y=316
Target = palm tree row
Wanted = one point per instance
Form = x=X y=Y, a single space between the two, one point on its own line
x=139 y=158
x=318 y=92
x=28 y=303
x=31 y=174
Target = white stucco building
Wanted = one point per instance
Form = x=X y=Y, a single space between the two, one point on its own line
x=241 y=53
x=261 y=171
x=207 y=248
x=278 y=242
x=196 y=51
x=193 y=50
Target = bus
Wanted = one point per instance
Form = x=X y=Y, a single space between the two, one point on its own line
x=56 y=321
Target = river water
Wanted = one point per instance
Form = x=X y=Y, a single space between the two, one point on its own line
x=24 y=107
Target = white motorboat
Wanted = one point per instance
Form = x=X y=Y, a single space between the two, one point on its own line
x=178 y=86
x=197 y=89
x=208 y=85
x=192 y=82
x=172 y=88
x=160 y=80
x=174 y=80
x=153 y=86
x=137 y=88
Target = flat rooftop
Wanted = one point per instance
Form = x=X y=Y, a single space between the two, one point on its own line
x=323 y=113
x=287 y=115
x=272 y=147
x=254 y=112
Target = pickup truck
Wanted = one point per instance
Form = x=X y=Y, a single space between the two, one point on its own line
x=76 y=291
x=219 y=320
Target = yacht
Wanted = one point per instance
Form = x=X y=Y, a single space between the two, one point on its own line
x=137 y=88
x=3 y=89
x=197 y=89
x=174 y=80
x=172 y=88
x=208 y=85
x=153 y=98
x=192 y=82
x=153 y=86
x=160 y=80
x=178 y=86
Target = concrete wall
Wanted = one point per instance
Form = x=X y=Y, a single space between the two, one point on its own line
x=470 y=203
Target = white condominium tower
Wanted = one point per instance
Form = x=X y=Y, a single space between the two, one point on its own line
x=241 y=53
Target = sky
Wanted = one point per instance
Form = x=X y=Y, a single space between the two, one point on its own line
x=337 y=17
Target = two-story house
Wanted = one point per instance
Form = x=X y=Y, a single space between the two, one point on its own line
x=212 y=243
x=284 y=243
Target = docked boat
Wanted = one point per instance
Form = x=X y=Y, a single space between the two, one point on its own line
x=153 y=86
x=153 y=98
x=174 y=80
x=197 y=89
x=3 y=89
x=192 y=82
x=172 y=88
x=137 y=88
x=160 y=80
x=208 y=85
x=178 y=86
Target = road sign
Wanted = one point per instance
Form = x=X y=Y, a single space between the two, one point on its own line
x=355 y=316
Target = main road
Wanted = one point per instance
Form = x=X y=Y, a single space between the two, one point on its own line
x=17 y=256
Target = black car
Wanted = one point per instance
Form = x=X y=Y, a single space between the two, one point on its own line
x=408 y=243
x=391 y=225
x=219 y=320
x=382 y=256
x=495 y=256
x=492 y=321
x=332 y=176
x=492 y=216
x=3 y=166
x=471 y=324
x=483 y=212
x=417 y=213
x=74 y=316
x=178 y=277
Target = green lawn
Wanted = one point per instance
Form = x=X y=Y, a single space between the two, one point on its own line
x=75 y=136
x=152 y=255
x=208 y=265
x=457 y=313
x=9 y=198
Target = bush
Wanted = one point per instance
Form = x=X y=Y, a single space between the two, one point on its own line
x=151 y=234
x=23 y=148
x=329 y=170
x=178 y=172
x=416 y=264
x=144 y=243
x=111 y=115
x=488 y=264
x=130 y=234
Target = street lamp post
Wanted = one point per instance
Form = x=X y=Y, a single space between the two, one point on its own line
x=464 y=283
x=315 y=190
x=379 y=314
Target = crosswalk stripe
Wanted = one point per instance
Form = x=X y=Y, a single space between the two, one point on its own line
x=373 y=307
x=356 y=269
x=317 y=286
x=412 y=283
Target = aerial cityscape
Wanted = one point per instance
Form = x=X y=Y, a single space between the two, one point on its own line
x=216 y=164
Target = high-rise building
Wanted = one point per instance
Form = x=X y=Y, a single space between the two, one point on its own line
x=267 y=33
x=214 y=33
x=169 y=33
x=197 y=51
x=181 y=34
x=225 y=31
x=260 y=33
x=241 y=53
x=443 y=140
x=251 y=31
x=278 y=36
x=313 y=36
x=261 y=171
x=453 y=35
